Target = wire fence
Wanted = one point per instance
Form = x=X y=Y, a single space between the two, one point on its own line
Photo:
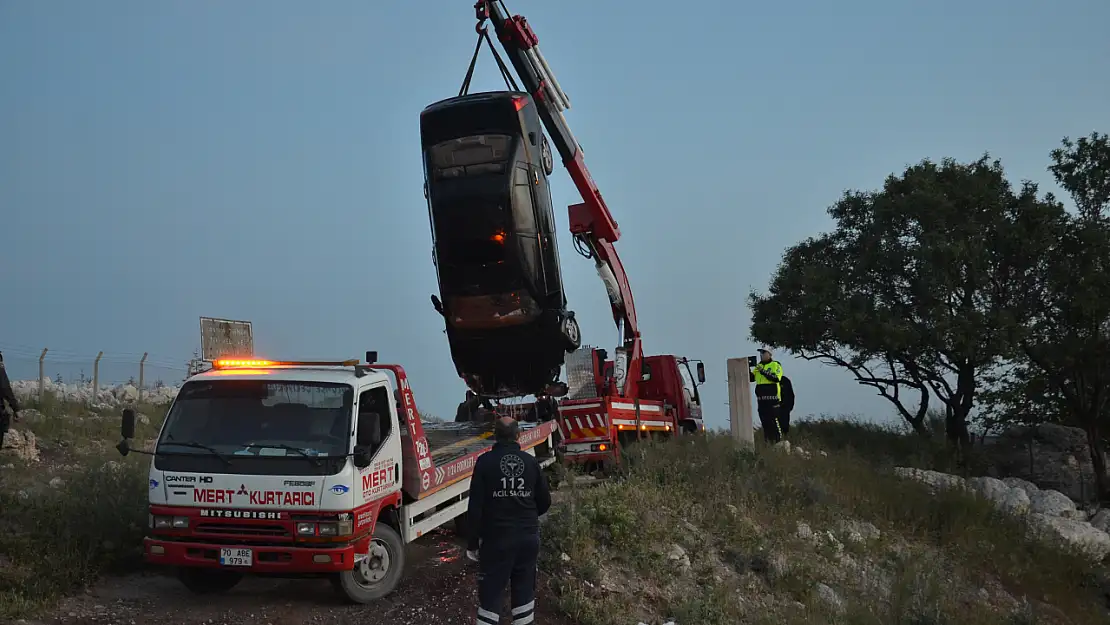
x=102 y=369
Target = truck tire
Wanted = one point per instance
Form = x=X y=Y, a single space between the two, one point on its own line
x=378 y=574
x=208 y=581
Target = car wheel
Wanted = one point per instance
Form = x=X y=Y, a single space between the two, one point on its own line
x=378 y=574
x=208 y=581
x=546 y=156
x=572 y=334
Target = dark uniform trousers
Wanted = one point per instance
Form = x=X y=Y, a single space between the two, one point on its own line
x=509 y=559
x=768 y=406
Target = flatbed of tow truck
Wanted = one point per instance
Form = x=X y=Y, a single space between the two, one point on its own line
x=455 y=442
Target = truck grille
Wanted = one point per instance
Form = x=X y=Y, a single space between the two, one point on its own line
x=219 y=529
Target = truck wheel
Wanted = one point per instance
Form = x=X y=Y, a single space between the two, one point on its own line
x=208 y=581
x=378 y=574
x=572 y=334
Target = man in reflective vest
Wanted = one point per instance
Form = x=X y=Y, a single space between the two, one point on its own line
x=767 y=376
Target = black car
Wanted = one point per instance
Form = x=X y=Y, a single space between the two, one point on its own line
x=486 y=168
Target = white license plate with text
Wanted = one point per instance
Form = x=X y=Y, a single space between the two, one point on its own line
x=235 y=556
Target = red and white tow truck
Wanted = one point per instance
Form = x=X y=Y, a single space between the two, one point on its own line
x=306 y=468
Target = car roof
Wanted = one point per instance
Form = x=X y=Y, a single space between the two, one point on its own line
x=296 y=373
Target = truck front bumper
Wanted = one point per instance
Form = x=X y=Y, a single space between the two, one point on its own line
x=267 y=559
x=582 y=453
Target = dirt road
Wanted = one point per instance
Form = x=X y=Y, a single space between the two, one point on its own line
x=439 y=588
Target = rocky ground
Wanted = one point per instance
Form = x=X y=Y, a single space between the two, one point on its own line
x=439 y=588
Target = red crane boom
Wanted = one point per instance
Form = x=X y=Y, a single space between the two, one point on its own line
x=592 y=225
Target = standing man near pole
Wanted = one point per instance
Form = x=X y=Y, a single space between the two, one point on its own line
x=6 y=395
x=508 y=494
x=767 y=375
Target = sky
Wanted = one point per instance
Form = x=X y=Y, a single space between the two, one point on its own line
x=260 y=160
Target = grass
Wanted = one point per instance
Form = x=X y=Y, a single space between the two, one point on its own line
x=947 y=559
x=55 y=540
x=734 y=513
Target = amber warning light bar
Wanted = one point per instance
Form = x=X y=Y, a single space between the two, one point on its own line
x=225 y=363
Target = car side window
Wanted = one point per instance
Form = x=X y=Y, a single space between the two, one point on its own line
x=524 y=209
x=377 y=400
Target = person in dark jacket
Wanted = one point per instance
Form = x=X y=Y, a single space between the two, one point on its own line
x=508 y=494
x=787 y=405
x=6 y=395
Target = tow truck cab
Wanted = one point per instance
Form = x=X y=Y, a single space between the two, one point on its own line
x=302 y=469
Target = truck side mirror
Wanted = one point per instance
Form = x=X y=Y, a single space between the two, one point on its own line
x=127 y=431
x=701 y=373
x=127 y=427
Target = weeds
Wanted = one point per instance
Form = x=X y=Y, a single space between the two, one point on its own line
x=56 y=539
x=735 y=513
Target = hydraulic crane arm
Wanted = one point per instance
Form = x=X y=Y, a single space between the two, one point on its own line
x=592 y=225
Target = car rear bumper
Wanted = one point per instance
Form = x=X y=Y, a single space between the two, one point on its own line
x=268 y=559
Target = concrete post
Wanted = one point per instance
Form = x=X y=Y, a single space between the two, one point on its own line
x=96 y=374
x=740 y=400
x=142 y=372
x=42 y=375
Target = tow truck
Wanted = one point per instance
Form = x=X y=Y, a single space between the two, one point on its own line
x=630 y=396
x=298 y=468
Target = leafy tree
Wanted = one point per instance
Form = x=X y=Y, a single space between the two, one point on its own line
x=1065 y=351
x=912 y=290
x=817 y=310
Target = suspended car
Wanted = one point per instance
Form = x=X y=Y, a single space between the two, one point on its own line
x=486 y=168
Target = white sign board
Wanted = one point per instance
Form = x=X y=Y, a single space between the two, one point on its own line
x=225 y=338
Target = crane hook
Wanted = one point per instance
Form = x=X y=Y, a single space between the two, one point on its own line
x=481 y=11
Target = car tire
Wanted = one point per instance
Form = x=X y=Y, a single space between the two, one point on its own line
x=208 y=581
x=378 y=574
x=572 y=334
x=546 y=157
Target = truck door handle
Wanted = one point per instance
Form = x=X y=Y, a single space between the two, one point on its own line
x=396 y=472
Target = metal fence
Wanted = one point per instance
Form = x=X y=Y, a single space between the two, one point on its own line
x=101 y=369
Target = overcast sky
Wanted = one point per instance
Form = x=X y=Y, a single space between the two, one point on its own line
x=260 y=160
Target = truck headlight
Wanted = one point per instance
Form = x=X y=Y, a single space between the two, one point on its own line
x=346 y=527
x=180 y=522
x=306 y=529
x=329 y=529
x=163 y=522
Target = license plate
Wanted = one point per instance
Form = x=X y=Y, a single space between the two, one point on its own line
x=236 y=557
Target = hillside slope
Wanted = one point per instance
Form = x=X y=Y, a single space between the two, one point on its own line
x=703 y=532
x=698 y=531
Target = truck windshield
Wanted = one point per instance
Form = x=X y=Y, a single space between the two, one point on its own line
x=260 y=418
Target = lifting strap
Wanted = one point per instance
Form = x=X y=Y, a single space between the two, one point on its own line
x=483 y=35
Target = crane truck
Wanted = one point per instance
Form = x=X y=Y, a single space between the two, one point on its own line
x=630 y=396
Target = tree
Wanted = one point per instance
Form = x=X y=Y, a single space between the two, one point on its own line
x=916 y=280
x=816 y=310
x=1067 y=338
